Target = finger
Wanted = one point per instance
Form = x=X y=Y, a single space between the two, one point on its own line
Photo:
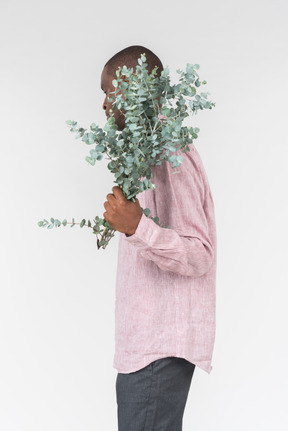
x=118 y=193
x=106 y=217
x=111 y=199
x=111 y=196
x=107 y=206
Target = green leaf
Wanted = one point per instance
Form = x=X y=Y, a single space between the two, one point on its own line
x=100 y=148
x=82 y=222
x=90 y=160
x=129 y=160
x=132 y=126
x=64 y=222
x=40 y=223
x=71 y=123
x=141 y=96
x=146 y=211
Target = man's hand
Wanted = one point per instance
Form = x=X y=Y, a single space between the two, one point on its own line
x=121 y=214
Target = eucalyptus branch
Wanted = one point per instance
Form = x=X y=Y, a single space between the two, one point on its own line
x=150 y=96
x=153 y=140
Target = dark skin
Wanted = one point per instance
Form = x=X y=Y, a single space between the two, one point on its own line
x=108 y=88
x=121 y=214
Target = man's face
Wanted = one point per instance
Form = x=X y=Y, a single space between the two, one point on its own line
x=107 y=87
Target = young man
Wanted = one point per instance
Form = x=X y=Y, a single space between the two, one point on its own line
x=165 y=291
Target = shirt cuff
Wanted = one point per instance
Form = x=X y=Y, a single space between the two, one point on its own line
x=145 y=232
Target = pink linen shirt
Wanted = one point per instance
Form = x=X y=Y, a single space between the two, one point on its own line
x=166 y=278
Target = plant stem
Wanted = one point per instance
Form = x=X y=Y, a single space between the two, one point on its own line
x=106 y=236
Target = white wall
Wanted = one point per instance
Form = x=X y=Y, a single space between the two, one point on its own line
x=57 y=289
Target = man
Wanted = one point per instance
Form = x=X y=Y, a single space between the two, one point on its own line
x=165 y=291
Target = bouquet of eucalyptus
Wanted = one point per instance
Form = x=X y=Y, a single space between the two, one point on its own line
x=154 y=111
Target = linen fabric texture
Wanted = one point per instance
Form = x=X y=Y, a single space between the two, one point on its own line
x=165 y=303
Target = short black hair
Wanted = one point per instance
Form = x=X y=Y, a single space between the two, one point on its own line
x=129 y=56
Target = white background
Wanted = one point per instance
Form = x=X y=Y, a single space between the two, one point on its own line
x=57 y=289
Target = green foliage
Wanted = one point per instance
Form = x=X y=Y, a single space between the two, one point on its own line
x=154 y=111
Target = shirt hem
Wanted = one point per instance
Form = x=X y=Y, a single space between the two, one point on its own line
x=203 y=365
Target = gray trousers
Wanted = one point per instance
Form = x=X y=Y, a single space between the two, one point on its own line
x=154 y=398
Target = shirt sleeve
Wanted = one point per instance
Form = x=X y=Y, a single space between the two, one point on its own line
x=190 y=256
x=187 y=247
